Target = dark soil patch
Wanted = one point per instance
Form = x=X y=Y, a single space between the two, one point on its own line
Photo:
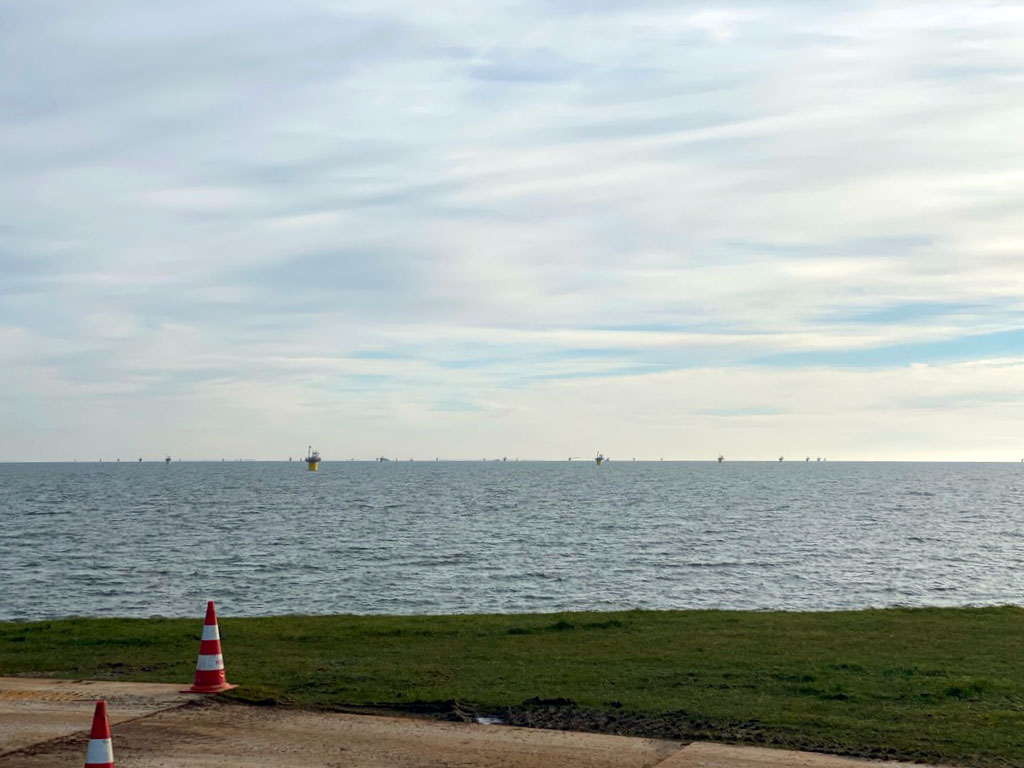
x=562 y=714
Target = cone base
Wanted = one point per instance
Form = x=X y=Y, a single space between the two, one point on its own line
x=210 y=688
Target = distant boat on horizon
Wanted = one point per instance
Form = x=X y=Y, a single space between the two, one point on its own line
x=167 y=459
x=312 y=459
x=599 y=459
x=721 y=458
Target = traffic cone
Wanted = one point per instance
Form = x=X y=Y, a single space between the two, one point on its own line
x=100 y=754
x=210 y=667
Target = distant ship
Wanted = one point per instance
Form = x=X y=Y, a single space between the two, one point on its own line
x=721 y=458
x=781 y=458
x=167 y=459
x=599 y=459
x=383 y=458
x=312 y=459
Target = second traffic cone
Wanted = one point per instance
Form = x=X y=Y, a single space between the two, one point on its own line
x=100 y=754
x=210 y=666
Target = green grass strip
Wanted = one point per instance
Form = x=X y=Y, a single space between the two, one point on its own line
x=940 y=685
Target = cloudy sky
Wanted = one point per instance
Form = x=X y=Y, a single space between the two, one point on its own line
x=535 y=229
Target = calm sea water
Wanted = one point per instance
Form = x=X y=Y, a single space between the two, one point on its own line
x=147 y=539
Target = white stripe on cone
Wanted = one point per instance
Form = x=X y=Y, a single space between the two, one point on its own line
x=210 y=632
x=210 y=663
x=99 y=752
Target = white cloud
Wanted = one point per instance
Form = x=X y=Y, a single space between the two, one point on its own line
x=512 y=206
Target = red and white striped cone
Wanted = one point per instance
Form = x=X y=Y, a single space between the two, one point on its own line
x=210 y=666
x=100 y=754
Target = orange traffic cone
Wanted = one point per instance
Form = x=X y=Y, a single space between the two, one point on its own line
x=100 y=754
x=210 y=667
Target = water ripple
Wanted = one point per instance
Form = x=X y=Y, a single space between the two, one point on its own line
x=270 y=538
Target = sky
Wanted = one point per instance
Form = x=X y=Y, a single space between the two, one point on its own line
x=530 y=229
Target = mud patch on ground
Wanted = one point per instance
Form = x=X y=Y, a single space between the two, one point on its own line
x=680 y=725
x=562 y=714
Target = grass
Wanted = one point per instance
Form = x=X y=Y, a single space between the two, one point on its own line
x=938 y=685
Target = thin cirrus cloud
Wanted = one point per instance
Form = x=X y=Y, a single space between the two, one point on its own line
x=454 y=228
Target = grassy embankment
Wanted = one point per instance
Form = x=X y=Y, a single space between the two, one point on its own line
x=936 y=685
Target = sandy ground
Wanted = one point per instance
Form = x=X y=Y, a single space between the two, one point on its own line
x=45 y=723
x=708 y=755
x=33 y=710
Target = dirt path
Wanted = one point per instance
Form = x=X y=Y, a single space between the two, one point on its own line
x=708 y=755
x=45 y=722
x=33 y=710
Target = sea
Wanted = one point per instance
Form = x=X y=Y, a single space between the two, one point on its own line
x=261 y=538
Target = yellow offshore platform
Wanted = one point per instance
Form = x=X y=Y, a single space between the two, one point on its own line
x=312 y=459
